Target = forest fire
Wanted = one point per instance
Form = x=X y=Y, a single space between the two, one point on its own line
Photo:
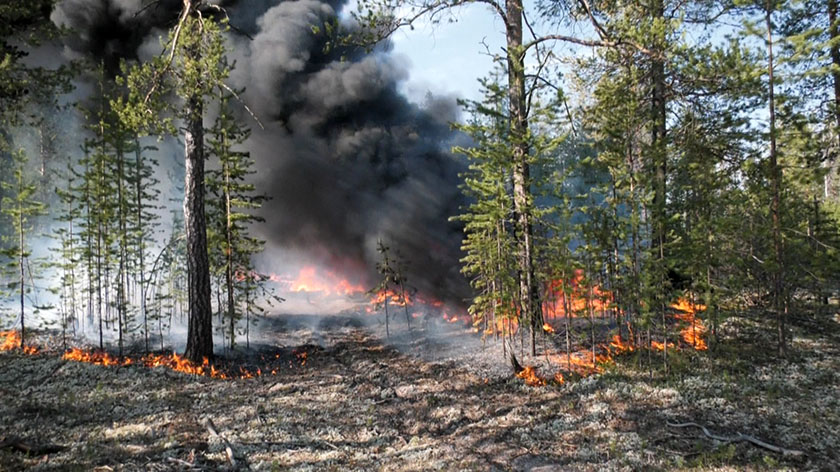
x=394 y=298
x=588 y=361
x=574 y=297
x=11 y=340
x=309 y=279
x=172 y=361
x=694 y=332
x=531 y=378
x=619 y=346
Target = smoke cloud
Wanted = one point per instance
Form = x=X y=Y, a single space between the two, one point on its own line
x=345 y=158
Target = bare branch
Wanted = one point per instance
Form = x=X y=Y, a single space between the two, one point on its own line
x=223 y=11
x=245 y=105
x=146 y=7
x=156 y=80
x=740 y=438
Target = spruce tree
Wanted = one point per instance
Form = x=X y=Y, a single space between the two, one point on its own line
x=231 y=212
x=20 y=207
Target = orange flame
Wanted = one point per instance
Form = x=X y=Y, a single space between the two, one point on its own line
x=694 y=332
x=576 y=295
x=548 y=328
x=393 y=298
x=11 y=341
x=619 y=346
x=531 y=378
x=309 y=279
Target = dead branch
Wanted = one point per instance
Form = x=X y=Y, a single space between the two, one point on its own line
x=183 y=463
x=245 y=105
x=740 y=437
x=211 y=428
x=19 y=445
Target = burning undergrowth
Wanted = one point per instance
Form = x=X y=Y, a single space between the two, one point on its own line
x=263 y=360
x=359 y=404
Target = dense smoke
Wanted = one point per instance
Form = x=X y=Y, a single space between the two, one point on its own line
x=345 y=158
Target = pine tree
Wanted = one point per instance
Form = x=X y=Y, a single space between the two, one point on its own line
x=230 y=212
x=192 y=66
x=22 y=209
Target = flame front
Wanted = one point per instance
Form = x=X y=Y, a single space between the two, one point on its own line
x=11 y=340
x=309 y=279
x=531 y=378
x=695 y=331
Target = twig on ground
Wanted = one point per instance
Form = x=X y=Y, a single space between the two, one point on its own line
x=211 y=428
x=740 y=437
x=181 y=462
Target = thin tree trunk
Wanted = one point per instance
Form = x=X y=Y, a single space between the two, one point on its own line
x=229 y=256
x=387 y=330
x=659 y=144
x=405 y=306
x=141 y=243
x=20 y=264
x=775 y=186
x=121 y=276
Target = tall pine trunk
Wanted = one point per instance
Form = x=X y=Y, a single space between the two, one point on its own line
x=834 y=52
x=528 y=287
x=200 y=330
x=660 y=168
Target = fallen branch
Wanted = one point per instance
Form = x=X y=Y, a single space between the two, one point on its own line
x=211 y=428
x=740 y=438
x=183 y=463
x=20 y=445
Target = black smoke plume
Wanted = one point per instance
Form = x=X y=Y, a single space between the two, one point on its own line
x=346 y=159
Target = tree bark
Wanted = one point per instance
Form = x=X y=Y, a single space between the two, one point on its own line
x=20 y=263
x=833 y=33
x=200 y=331
x=528 y=287
x=660 y=164
x=229 y=256
x=775 y=188
x=141 y=243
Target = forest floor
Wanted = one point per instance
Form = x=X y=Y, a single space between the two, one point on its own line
x=428 y=402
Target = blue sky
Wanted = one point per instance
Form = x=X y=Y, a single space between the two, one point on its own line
x=448 y=58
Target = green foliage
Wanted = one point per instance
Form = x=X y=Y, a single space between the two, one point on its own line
x=231 y=215
x=193 y=65
x=19 y=205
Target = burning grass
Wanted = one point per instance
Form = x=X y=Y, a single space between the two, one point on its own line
x=10 y=340
x=172 y=361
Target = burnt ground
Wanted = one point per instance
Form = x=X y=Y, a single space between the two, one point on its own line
x=437 y=400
